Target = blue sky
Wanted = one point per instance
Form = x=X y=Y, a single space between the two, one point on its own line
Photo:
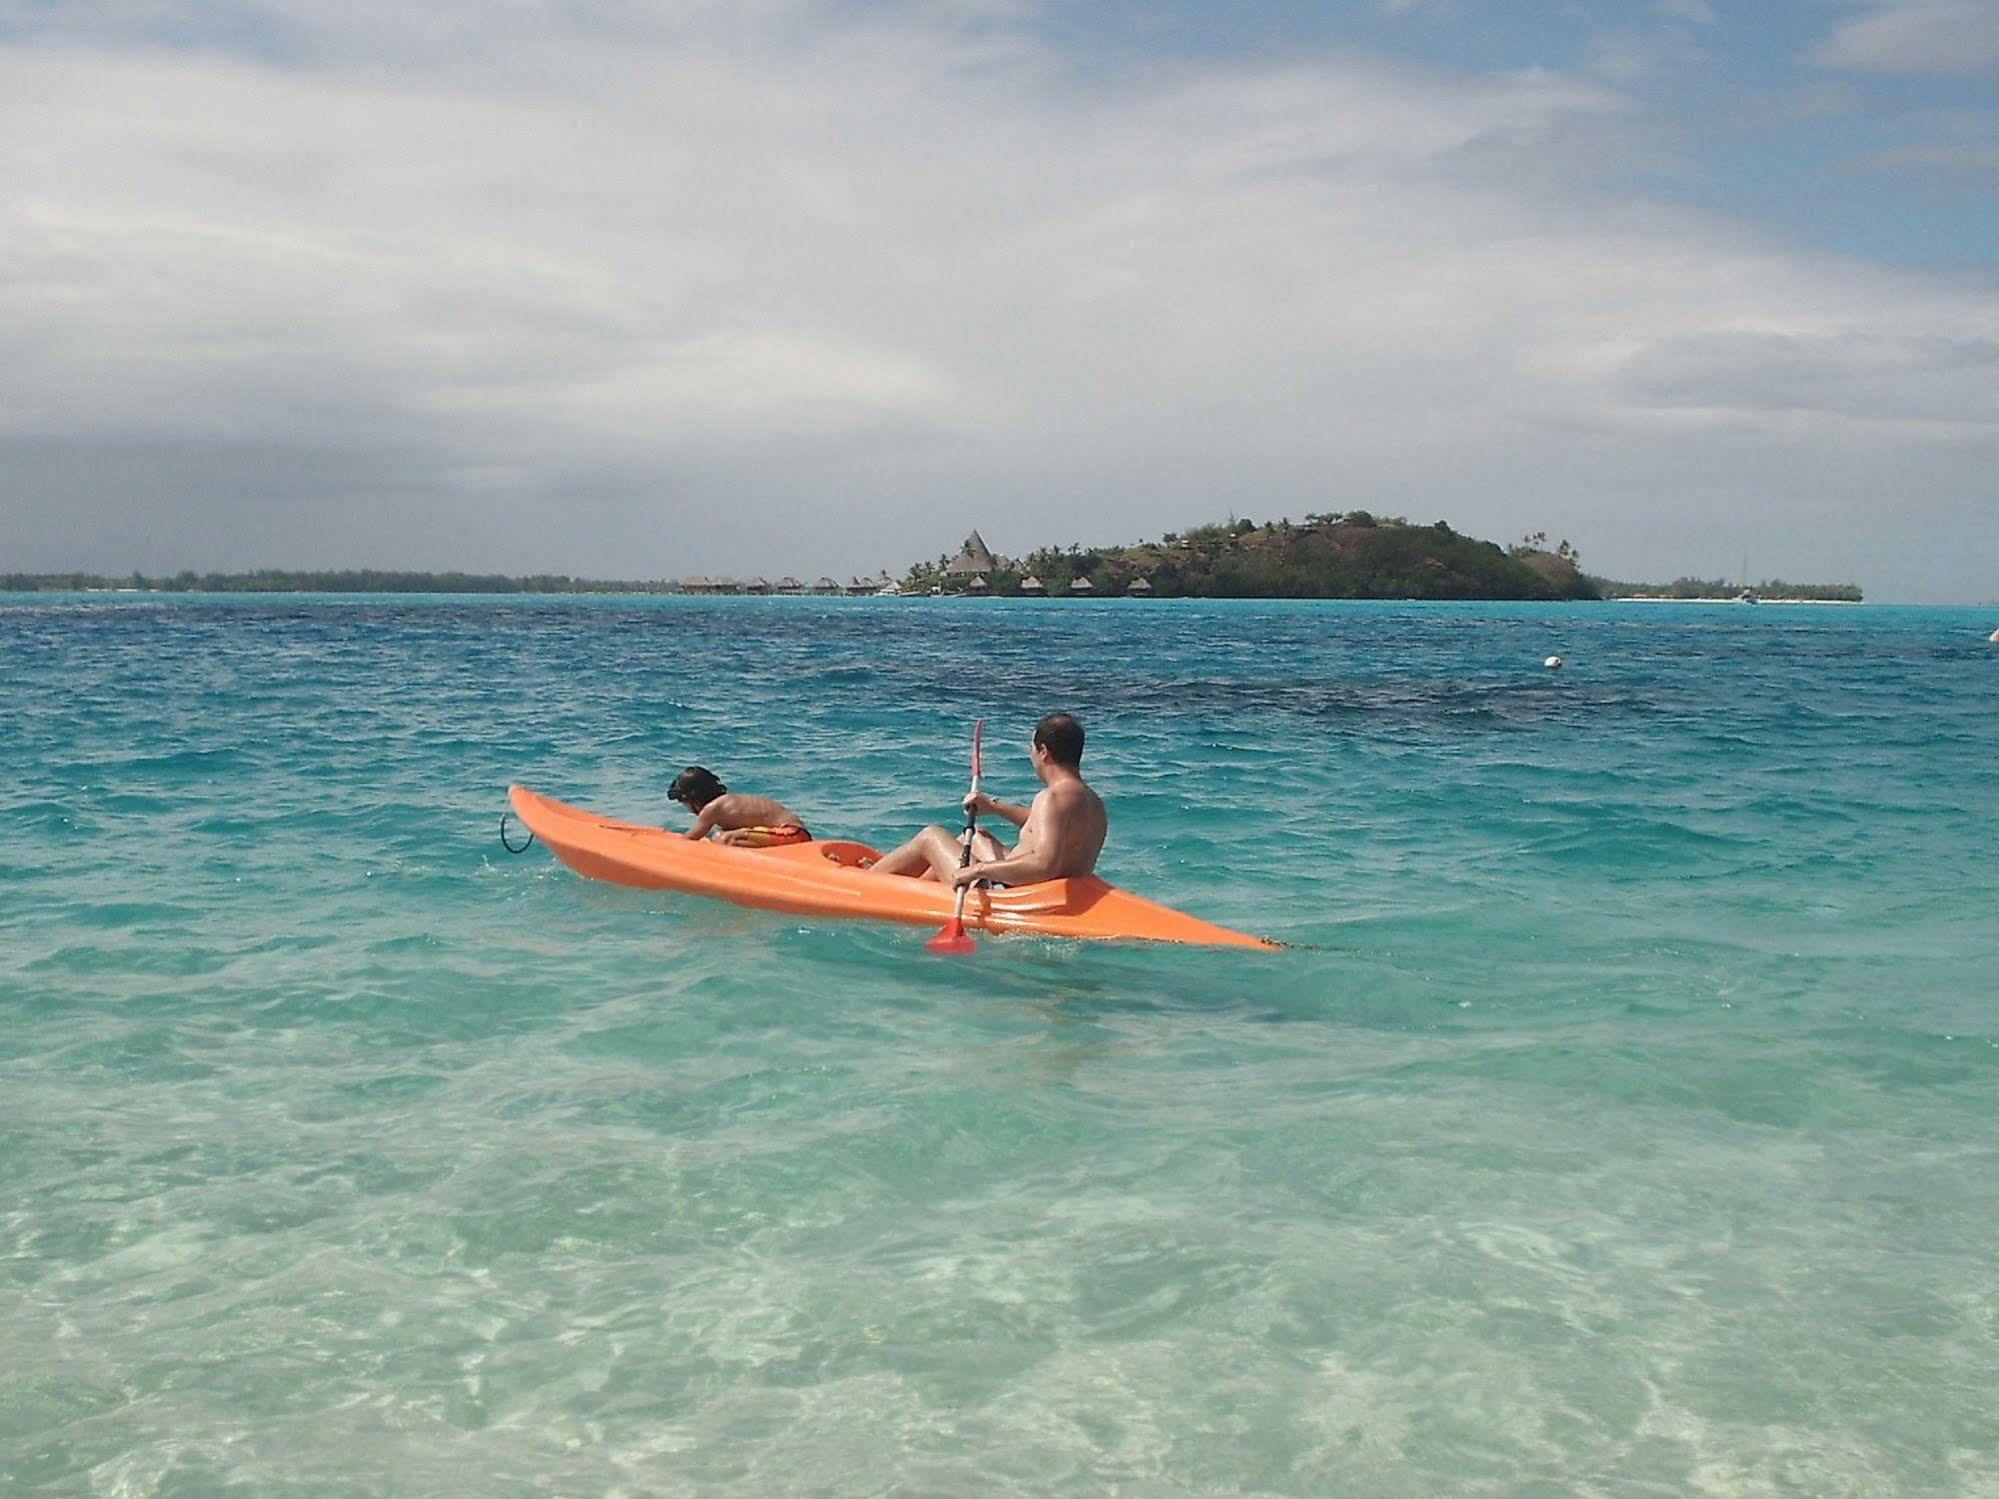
x=1787 y=114
x=659 y=287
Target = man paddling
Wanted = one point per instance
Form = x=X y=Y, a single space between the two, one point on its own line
x=1061 y=832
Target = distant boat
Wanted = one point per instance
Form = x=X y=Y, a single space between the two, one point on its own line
x=1748 y=594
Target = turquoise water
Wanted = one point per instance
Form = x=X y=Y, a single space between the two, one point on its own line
x=1624 y=1122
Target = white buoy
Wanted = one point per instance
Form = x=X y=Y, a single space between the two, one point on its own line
x=1554 y=663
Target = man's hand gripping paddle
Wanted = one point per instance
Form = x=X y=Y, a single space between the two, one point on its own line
x=954 y=941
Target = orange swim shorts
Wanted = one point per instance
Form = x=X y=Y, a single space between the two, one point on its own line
x=770 y=837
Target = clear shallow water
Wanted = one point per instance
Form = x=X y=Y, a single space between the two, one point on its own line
x=1626 y=1123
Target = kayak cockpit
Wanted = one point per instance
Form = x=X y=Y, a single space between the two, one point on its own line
x=847 y=854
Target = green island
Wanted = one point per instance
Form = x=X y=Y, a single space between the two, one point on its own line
x=1354 y=555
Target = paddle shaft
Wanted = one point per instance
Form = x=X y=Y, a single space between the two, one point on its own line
x=954 y=939
x=971 y=828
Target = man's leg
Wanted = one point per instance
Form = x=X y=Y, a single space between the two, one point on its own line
x=923 y=855
x=933 y=853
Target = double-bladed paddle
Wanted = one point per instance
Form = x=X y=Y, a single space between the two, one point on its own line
x=954 y=941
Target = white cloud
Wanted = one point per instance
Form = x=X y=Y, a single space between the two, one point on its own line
x=748 y=288
x=1866 y=378
x=1917 y=36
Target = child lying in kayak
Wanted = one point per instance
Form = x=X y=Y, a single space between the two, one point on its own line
x=733 y=816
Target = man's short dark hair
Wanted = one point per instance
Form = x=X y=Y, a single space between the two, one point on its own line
x=1062 y=737
x=696 y=786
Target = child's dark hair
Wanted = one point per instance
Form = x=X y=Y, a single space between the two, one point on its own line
x=1062 y=737
x=695 y=787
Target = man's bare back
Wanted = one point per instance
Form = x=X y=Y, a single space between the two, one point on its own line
x=1060 y=837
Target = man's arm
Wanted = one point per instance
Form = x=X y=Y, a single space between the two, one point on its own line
x=705 y=823
x=980 y=801
x=1045 y=842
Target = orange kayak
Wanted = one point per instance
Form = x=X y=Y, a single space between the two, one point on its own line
x=827 y=877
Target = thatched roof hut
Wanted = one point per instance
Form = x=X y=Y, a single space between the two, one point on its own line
x=975 y=557
x=1082 y=585
x=978 y=585
x=1138 y=585
x=826 y=585
x=1032 y=584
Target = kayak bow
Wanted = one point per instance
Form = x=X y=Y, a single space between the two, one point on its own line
x=827 y=877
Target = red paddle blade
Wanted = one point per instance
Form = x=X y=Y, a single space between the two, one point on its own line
x=953 y=942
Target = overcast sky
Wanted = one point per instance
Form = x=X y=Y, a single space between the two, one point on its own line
x=642 y=289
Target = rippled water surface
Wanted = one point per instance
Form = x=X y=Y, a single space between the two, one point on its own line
x=1623 y=1121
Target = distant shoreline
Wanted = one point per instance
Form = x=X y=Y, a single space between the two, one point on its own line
x=1660 y=598
x=16 y=596
x=1355 y=555
x=668 y=593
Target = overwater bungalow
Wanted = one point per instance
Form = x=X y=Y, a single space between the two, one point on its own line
x=978 y=585
x=1082 y=585
x=1138 y=586
x=1033 y=585
x=790 y=585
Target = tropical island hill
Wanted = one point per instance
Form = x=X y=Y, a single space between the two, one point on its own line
x=1350 y=556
